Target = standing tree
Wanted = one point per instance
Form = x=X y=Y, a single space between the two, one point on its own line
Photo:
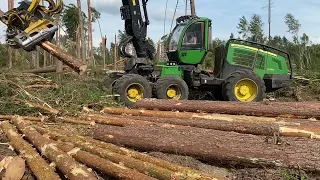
x=243 y=27
x=294 y=28
x=256 y=28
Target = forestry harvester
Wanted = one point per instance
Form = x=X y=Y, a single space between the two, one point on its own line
x=243 y=70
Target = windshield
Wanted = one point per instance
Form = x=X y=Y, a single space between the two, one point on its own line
x=174 y=41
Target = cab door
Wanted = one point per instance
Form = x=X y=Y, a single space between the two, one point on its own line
x=193 y=43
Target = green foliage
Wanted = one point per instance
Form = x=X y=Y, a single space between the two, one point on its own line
x=252 y=30
x=292 y=176
x=70 y=19
x=256 y=28
x=243 y=27
x=292 y=23
x=71 y=96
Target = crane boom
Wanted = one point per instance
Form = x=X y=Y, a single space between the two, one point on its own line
x=135 y=15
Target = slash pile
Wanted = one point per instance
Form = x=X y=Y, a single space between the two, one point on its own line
x=255 y=135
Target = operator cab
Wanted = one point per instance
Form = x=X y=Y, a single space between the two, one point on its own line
x=189 y=41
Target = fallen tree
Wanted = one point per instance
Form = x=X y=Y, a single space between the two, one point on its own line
x=66 y=164
x=146 y=164
x=219 y=147
x=39 y=167
x=266 y=109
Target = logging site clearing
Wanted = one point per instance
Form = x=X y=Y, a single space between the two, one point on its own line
x=189 y=107
x=70 y=128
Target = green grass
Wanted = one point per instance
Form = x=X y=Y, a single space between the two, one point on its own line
x=73 y=94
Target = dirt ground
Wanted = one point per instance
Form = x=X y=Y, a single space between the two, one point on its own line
x=229 y=172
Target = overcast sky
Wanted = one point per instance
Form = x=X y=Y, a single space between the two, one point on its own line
x=225 y=15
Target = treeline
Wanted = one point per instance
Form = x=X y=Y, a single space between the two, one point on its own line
x=304 y=53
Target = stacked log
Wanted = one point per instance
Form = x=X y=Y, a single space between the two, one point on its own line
x=66 y=164
x=219 y=147
x=69 y=151
x=38 y=166
x=246 y=125
x=266 y=109
x=142 y=166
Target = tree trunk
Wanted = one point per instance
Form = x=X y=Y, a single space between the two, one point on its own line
x=82 y=43
x=27 y=118
x=65 y=57
x=39 y=167
x=102 y=165
x=37 y=58
x=217 y=146
x=267 y=109
x=67 y=137
x=141 y=166
x=186 y=115
x=90 y=43
x=66 y=164
x=302 y=128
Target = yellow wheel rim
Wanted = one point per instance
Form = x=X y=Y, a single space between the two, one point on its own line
x=174 y=92
x=246 y=90
x=135 y=92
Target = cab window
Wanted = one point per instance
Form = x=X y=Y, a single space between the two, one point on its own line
x=194 y=37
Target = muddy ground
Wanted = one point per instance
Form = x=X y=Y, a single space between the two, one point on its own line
x=230 y=172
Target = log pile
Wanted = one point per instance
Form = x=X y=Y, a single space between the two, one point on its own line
x=228 y=136
x=79 y=157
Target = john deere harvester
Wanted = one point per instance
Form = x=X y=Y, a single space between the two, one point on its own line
x=243 y=70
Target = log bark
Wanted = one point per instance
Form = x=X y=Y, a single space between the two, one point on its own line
x=42 y=86
x=305 y=129
x=220 y=147
x=28 y=118
x=185 y=115
x=65 y=57
x=67 y=137
x=141 y=166
x=39 y=167
x=247 y=128
x=66 y=164
x=102 y=165
x=267 y=109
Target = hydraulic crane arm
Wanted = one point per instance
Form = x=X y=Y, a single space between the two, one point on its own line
x=135 y=15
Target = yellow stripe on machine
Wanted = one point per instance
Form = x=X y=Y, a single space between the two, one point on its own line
x=33 y=6
x=253 y=49
x=134 y=2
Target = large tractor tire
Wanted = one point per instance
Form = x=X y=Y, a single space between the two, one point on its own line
x=171 y=88
x=131 y=88
x=244 y=86
x=110 y=79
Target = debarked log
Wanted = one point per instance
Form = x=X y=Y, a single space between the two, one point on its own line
x=218 y=146
x=267 y=109
x=39 y=167
x=66 y=164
